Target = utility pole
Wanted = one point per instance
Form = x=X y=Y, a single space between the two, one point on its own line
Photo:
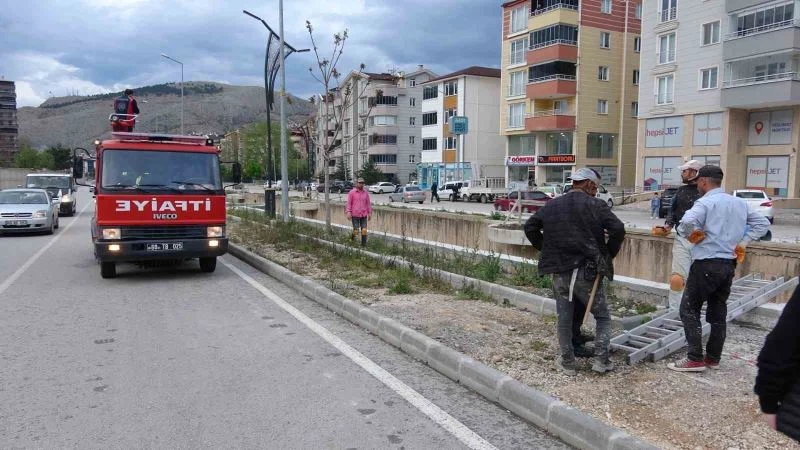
x=175 y=60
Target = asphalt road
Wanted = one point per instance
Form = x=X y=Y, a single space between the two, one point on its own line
x=174 y=358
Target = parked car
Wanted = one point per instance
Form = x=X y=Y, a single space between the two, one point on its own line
x=60 y=186
x=336 y=187
x=382 y=187
x=552 y=191
x=757 y=200
x=28 y=211
x=507 y=203
x=407 y=194
x=451 y=189
x=602 y=194
x=666 y=202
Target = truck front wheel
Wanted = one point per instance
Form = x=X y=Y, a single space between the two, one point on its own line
x=209 y=264
x=108 y=269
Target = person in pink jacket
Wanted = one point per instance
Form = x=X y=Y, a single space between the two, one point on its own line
x=359 y=210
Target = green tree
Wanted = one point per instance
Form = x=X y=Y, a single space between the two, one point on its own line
x=341 y=171
x=60 y=157
x=28 y=158
x=253 y=170
x=254 y=139
x=370 y=173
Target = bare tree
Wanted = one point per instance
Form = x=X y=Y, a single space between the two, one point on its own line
x=340 y=96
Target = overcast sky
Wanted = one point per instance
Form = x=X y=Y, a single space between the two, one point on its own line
x=59 y=47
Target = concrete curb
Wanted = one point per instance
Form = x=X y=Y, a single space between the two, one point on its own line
x=569 y=424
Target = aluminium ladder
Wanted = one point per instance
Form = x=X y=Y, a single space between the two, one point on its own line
x=664 y=335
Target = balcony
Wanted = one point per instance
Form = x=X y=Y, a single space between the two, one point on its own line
x=555 y=50
x=551 y=86
x=550 y=120
x=763 y=91
x=667 y=15
x=565 y=11
x=776 y=37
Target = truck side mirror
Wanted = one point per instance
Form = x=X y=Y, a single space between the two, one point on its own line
x=77 y=167
x=237 y=173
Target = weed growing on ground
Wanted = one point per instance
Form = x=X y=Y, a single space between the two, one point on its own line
x=470 y=292
x=539 y=346
x=496 y=215
x=488 y=269
x=549 y=319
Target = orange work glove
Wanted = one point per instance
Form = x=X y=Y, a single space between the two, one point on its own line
x=739 y=253
x=696 y=236
x=660 y=230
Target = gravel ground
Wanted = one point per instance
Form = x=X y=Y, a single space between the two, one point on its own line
x=712 y=410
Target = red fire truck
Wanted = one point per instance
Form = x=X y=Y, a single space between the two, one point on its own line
x=159 y=197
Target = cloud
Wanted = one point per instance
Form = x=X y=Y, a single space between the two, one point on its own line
x=95 y=46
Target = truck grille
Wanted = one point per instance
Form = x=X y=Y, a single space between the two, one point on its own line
x=16 y=215
x=176 y=232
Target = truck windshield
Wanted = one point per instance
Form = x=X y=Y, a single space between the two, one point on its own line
x=181 y=171
x=45 y=181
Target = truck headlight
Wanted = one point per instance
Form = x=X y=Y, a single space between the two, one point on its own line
x=111 y=233
x=41 y=214
x=215 y=231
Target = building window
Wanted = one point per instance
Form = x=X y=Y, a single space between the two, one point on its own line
x=347 y=128
x=635 y=109
x=666 y=48
x=560 y=106
x=711 y=33
x=383 y=100
x=451 y=88
x=516 y=115
x=448 y=113
x=707 y=129
x=412 y=82
x=516 y=83
x=412 y=140
x=605 y=6
x=665 y=89
x=429 y=144
x=429 y=119
x=518 y=48
x=637 y=44
x=412 y=121
x=667 y=10
x=363 y=142
x=556 y=34
x=561 y=70
x=558 y=144
x=383 y=159
x=412 y=159
x=602 y=106
x=600 y=145
x=605 y=39
x=519 y=19
x=602 y=73
x=708 y=78
x=380 y=121
x=638 y=13
x=774 y=16
x=412 y=102
x=636 y=76
x=429 y=92
x=450 y=143
x=386 y=139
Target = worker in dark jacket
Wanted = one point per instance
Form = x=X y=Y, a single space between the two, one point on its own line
x=569 y=231
x=778 y=379
x=681 y=248
x=126 y=109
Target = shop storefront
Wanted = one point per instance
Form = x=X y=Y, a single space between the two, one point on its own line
x=661 y=172
x=770 y=173
x=428 y=173
x=521 y=171
x=557 y=168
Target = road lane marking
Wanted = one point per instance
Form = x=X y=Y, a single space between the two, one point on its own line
x=440 y=417
x=10 y=280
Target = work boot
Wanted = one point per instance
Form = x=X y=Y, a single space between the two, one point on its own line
x=567 y=368
x=363 y=240
x=353 y=235
x=601 y=366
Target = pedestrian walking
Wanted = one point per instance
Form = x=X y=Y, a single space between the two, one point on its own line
x=435 y=192
x=777 y=383
x=719 y=226
x=682 y=201
x=576 y=253
x=655 y=205
x=359 y=210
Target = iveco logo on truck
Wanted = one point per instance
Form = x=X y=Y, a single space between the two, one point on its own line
x=166 y=205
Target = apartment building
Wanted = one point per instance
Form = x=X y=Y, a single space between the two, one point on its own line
x=382 y=125
x=9 y=144
x=474 y=93
x=721 y=87
x=570 y=75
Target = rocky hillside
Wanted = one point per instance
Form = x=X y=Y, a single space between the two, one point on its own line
x=208 y=108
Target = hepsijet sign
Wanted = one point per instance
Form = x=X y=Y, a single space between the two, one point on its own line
x=664 y=132
x=770 y=127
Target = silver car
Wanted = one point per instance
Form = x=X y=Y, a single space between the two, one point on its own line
x=407 y=194
x=27 y=211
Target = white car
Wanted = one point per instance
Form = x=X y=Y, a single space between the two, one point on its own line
x=602 y=194
x=757 y=200
x=382 y=187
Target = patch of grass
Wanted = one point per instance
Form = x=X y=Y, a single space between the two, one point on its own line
x=645 y=308
x=470 y=292
x=528 y=275
x=401 y=281
x=496 y=215
x=538 y=346
x=371 y=282
x=549 y=319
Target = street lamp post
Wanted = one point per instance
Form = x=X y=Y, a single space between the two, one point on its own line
x=275 y=54
x=175 y=60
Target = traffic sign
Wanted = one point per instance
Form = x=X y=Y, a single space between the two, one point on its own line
x=459 y=125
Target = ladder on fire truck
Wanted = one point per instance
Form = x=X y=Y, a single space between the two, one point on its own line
x=664 y=335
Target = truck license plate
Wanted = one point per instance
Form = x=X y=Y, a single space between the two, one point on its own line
x=165 y=246
x=16 y=223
